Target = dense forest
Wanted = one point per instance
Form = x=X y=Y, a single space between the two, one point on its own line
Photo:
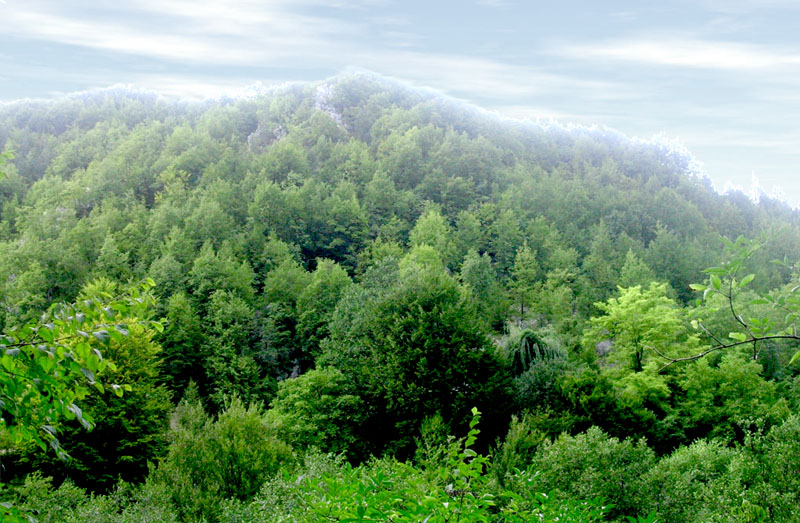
x=356 y=301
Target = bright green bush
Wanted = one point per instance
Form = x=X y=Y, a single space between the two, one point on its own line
x=517 y=449
x=318 y=409
x=591 y=465
x=127 y=503
x=212 y=460
x=692 y=485
x=769 y=465
x=454 y=488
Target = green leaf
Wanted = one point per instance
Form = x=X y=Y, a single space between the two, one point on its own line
x=747 y=279
x=697 y=287
x=46 y=334
x=101 y=335
x=115 y=335
x=89 y=375
x=729 y=244
x=738 y=336
x=716 y=283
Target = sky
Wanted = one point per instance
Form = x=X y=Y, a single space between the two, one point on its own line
x=721 y=77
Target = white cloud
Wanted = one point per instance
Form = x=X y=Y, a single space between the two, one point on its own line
x=702 y=54
x=238 y=33
x=114 y=37
x=259 y=35
x=494 y=3
x=739 y=7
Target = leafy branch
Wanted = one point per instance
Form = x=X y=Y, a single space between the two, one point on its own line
x=47 y=367
x=725 y=280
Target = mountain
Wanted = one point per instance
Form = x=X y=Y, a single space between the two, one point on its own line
x=357 y=267
x=349 y=160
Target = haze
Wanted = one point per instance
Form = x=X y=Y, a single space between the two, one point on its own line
x=720 y=77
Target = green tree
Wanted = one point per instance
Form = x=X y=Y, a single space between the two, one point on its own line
x=433 y=230
x=5 y=156
x=230 y=366
x=212 y=460
x=213 y=271
x=600 y=266
x=183 y=345
x=717 y=398
x=413 y=348
x=524 y=275
x=50 y=366
x=478 y=275
x=129 y=430
x=319 y=410
x=316 y=305
x=642 y=324
x=635 y=271
x=112 y=263
x=505 y=236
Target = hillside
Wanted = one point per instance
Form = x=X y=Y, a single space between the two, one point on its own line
x=356 y=264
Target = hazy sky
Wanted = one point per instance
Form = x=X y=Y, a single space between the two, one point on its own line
x=721 y=76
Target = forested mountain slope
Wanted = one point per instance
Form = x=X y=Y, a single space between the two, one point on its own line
x=363 y=263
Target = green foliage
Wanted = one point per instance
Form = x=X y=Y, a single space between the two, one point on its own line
x=478 y=275
x=455 y=487
x=718 y=398
x=517 y=449
x=70 y=504
x=432 y=230
x=212 y=460
x=316 y=304
x=754 y=330
x=213 y=271
x=412 y=349
x=253 y=215
x=129 y=430
x=112 y=263
x=183 y=347
x=692 y=484
x=592 y=465
x=643 y=324
x=317 y=410
x=5 y=156
x=525 y=273
x=50 y=366
x=635 y=272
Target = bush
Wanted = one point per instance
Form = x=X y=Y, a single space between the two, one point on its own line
x=453 y=487
x=318 y=410
x=769 y=466
x=517 y=449
x=38 y=497
x=692 y=485
x=70 y=504
x=592 y=465
x=210 y=461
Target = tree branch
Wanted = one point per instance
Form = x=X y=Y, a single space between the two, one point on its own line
x=753 y=339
